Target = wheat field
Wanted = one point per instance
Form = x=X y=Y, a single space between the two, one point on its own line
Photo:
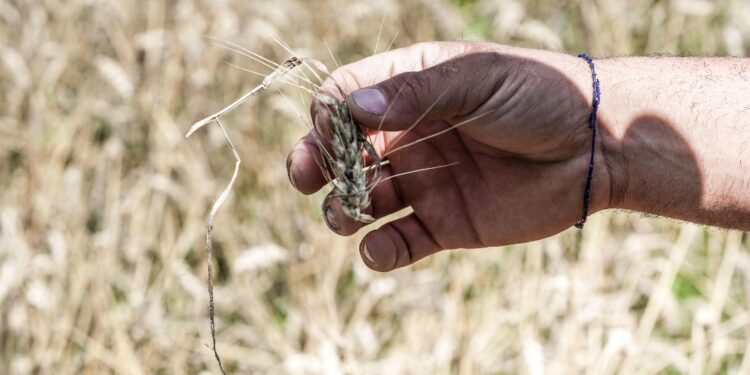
x=104 y=204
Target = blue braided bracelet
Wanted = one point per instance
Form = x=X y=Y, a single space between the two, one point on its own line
x=592 y=126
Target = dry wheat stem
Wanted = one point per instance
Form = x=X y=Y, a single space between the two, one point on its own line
x=209 y=242
x=277 y=74
x=284 y=79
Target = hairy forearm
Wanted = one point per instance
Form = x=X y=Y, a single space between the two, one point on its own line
x=677 y=137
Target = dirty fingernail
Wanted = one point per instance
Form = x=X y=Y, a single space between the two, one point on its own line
x=329 y=216
x=371 y=100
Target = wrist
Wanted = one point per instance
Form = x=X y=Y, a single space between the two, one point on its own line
x=612 y=122
x=609 y=174
x=645 y=152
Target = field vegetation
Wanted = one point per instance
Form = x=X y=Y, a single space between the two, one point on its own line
x=103 y=206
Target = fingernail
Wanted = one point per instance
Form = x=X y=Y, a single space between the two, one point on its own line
x=371 y=100
x=378 y=251
x=366 y=252
x=329 y=216
x=289 y=173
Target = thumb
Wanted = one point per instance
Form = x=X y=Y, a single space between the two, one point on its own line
x=442 y=92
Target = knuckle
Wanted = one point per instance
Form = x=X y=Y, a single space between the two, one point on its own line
x=421 y=47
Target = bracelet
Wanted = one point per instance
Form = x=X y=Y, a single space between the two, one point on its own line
x=592 y=126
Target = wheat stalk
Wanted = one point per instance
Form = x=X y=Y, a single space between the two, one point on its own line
x=278 y=73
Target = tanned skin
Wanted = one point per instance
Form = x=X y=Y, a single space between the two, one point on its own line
x=674 y=141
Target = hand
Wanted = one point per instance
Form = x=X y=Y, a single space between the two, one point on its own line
x=520 y=160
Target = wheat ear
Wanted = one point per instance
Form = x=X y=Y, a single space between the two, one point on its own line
x=349 y=168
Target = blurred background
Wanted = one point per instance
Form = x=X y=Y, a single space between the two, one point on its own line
x=104 y=203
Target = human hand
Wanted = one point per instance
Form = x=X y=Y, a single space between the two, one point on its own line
x=517 y=169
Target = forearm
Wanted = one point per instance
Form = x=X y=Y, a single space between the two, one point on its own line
x=677 y=137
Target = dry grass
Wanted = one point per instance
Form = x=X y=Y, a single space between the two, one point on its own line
x=103 y=206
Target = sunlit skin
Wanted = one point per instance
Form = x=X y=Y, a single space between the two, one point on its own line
x=514 y=171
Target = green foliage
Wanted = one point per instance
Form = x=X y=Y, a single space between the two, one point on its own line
x=684 y=287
